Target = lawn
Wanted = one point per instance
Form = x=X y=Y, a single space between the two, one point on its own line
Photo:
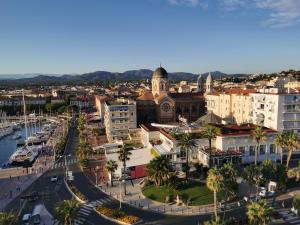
x=197 y=193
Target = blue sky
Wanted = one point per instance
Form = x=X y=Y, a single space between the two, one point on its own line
x=77 y=36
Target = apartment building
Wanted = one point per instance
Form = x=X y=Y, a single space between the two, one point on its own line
x=278 y=109
x=232 y=105
x=119 y=119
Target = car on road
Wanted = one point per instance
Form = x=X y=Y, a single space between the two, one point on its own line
x=26 y=219
x=32 y=197
x=54 y=179
x=252 y=198
x=264 y=193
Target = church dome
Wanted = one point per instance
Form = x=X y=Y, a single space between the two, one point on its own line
x=160 y=73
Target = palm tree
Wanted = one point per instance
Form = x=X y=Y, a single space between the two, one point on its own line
x=159 y=170
x=210 y=132
x=124 y=155
x=280 y=141
x=84 y=149
x=291 y=143
x=66 y=211
x=111 y=166
x=258 y=135
x=6 y=218
x=259 y=213
x=252 y=174
x=214 y=182
x=229 y=174
x=186 y=142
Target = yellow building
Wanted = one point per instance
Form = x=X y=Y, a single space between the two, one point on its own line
x=232 y=105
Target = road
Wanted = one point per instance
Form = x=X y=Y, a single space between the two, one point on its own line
x=93 y=194
x=52 y=193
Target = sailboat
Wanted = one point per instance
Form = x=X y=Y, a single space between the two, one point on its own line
x=17 y=136
x=25 y=154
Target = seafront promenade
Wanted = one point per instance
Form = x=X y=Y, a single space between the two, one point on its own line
x=13 y=181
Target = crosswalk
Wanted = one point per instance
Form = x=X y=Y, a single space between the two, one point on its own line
x=289 y=217
x=63 y=163
x=286 y=214
x=87 y=208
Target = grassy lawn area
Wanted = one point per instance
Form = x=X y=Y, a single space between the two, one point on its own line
x=197 y=193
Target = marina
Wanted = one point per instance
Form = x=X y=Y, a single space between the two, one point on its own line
x=8 y=144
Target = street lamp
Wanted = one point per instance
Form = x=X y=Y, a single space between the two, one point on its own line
x=121 y=181
x=96 y=174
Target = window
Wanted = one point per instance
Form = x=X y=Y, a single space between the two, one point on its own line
x=242 y=149
x=251 y=150
x=262 y=149
x=272 y=149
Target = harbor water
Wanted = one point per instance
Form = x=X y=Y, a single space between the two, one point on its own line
x=8 y=144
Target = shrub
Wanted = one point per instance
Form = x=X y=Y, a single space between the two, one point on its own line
x=117 y=214
x=77 y=192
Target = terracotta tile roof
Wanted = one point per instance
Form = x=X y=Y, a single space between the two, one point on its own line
x=235 y=130
x=149 y=128
x=234 y=91
x=167 y=135
x=147 y=96
x=102 y=98
x=161 y=96
x=186 y=95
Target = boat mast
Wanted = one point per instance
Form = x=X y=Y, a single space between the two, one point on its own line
x=25 y=118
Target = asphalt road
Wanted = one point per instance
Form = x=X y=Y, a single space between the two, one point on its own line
x=52 y=193
x=93 y=193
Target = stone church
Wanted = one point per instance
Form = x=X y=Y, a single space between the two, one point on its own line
x=161 y=106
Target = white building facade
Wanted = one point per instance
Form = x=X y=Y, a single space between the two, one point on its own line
x=119 y=119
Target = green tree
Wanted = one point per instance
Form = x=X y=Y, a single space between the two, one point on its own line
x=291 y=143
x=259 y=213
x=111 y=166
x=159 y=170
x=280 y=141
x=268 y=171
x=252 y=174
x=210 y=132
x=215 y=183
x=6 y=218
x=258 y=135
x=65 y=212
x=84 y=149
x=186 y=142
x=124 y=156
x=229 y=186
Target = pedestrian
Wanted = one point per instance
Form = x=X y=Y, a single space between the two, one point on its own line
x=10 y=177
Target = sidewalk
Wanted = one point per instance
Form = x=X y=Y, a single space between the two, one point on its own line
x=14 y=181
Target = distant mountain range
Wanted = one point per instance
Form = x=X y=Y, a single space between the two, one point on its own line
x=16 y=79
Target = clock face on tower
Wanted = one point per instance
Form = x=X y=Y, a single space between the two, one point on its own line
x=166 y=107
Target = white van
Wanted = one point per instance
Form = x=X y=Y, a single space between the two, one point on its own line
x=36 y=214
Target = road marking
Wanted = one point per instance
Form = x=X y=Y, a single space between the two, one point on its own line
x=84 y=213
x=85 y=210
